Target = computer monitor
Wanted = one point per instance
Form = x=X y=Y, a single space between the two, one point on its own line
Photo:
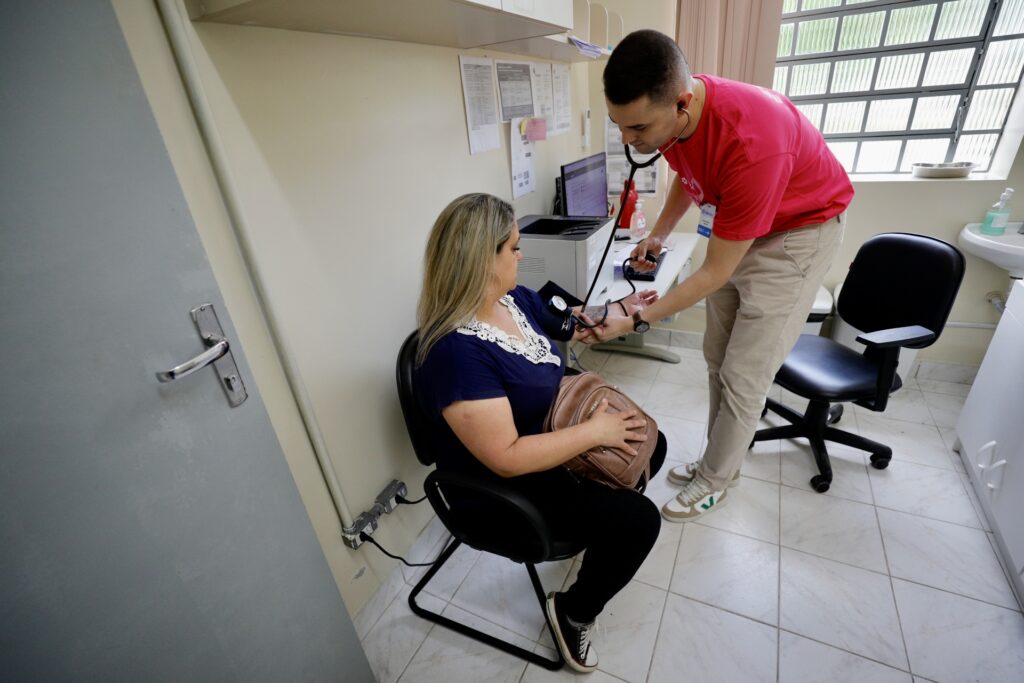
x=585 y=187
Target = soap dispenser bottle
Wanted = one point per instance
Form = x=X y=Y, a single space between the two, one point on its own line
x=998 y=215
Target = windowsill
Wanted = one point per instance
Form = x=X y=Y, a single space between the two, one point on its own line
x=907 y=177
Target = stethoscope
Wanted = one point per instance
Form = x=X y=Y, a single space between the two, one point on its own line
x=634 y=166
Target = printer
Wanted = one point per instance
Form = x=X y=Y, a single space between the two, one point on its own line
x=566 y=251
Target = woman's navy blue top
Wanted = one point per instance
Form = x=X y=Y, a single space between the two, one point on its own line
x=479 y=361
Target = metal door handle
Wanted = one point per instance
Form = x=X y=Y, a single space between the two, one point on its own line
x=217 y=353
x=218 y=350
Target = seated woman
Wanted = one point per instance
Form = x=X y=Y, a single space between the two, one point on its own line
x=487 y=372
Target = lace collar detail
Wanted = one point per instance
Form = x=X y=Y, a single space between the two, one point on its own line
x=534 y=347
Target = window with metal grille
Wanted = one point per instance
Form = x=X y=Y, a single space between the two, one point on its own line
x=893 y=83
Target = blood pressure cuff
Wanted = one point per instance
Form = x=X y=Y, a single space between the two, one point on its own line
x=557 y=325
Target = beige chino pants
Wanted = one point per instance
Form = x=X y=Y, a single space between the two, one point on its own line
x=753 y=322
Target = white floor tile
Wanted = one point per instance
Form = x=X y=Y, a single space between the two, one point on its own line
x=702 y=643
x=537 y=674
x=935 y=386
x=636 y=388
x=379 y=602
x=910 y=442
x=806 y=661
x=685 y=438
x=500 y=591
x=631 y=366
x=943 y=555
x=762 y=461
x=906 y=405
x=454 y=658
x=945 y=408
x=849 y=471
x=837 y=529
x=752 y=510
x=592 y=359
x=396 y=637
x=677 y=400
x=926 y=491
x=844 y=606
x=689 y=370
x=972 y=495
x=733 y=572
x=952 y=638
x=425 y=548
x=627 y=630
x=452 y=574
x=657 y=568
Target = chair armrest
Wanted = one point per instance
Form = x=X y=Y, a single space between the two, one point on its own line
x=525 y=536
x=896 y=336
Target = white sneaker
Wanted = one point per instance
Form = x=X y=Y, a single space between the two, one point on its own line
x=682 y=475
x=695 y=500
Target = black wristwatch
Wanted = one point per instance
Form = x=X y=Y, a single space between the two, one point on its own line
x=639 y=324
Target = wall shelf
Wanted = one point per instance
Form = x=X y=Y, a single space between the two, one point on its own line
x=448 y=23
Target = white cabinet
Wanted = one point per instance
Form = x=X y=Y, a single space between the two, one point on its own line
x=991 y=434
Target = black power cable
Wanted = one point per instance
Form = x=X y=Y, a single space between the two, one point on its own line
x=370 y=539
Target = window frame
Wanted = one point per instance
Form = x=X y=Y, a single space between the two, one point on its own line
x=967 y=91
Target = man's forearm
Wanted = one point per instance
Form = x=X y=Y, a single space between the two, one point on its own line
x=682 y=296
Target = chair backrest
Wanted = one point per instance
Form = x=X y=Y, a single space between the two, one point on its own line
x=900 y=279
x=415 y=421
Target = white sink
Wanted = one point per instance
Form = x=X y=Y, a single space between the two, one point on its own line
x=1005 y=251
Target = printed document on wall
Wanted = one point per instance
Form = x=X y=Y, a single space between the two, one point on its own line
x=543 y=100
x=562 y=100
x=522 y=159
x=646 y=179
x=514 y=89
x=481 y=107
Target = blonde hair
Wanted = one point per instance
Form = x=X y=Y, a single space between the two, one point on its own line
x=459 y=264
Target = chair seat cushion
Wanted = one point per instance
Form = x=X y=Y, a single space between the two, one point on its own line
x=820 y=368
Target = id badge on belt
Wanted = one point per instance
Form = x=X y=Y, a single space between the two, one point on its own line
x=707 y=219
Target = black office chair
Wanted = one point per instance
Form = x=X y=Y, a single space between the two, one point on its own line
x=899 y=292
x=482 y=512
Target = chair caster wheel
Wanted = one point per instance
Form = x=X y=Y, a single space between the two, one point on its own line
x=880 y=461
x=820 y=484
x=834 y=414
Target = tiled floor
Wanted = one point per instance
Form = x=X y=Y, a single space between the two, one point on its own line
x=889 y=576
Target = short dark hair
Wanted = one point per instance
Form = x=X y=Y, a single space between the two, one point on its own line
x=647 y=63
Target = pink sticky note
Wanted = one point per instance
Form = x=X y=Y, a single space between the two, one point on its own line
x=537 y=129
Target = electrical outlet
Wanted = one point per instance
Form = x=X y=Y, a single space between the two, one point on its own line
x=387 y=499
x=366 y=523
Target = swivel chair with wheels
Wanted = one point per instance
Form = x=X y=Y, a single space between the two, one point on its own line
x=899 y=293
x=482 y=512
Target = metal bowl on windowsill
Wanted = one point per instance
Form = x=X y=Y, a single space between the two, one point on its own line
x=952 y=169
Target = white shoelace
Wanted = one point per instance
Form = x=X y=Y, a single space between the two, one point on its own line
x=693 y=492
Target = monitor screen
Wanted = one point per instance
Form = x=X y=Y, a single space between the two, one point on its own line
x=585 y=187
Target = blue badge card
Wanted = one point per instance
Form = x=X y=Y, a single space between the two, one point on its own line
x=707 y=219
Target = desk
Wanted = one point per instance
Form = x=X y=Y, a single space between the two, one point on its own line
x=681 y=246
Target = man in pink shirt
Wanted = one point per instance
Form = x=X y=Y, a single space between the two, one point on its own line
x=772 y=201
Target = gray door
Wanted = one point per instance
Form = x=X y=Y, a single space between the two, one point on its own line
x=147 y=531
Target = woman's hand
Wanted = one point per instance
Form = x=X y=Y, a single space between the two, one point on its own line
x=638 y=301
x=616 y=429
x=649 y=245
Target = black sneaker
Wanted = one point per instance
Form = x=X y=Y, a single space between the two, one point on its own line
x=573 y=639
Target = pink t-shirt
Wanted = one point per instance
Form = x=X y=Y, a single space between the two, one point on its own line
x=760 y=162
